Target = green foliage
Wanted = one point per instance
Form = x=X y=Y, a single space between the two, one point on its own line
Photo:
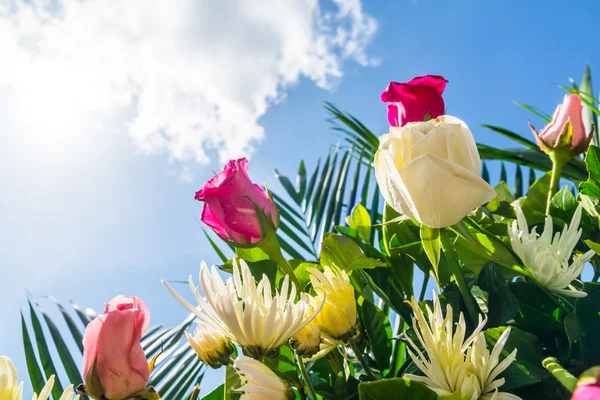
x=527 y=368
x=345 y=254
x=502 y=304
x=587 y=310
x=395 y=389
x=379 y=333
x=591 y=186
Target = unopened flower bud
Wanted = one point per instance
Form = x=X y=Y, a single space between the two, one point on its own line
x=212 y=347
x=307 y=340
x=566 y=132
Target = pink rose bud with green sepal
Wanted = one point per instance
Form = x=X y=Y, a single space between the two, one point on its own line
x=232 y=204
x=415 y=100
x=588 y=385
x=115 y=366
x=566 y=131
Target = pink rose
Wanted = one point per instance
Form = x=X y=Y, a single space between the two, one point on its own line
x=230 y=204
x=413 y=100
x=566 y=130
x=114 y=363
x=588 y=385
x=586 y=392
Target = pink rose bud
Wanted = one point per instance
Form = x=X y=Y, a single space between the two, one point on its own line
x=414 y=100
x=114 y=363
x=231 y=202
x=588 y=385
x=566 y=130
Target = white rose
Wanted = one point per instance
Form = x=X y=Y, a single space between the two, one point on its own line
x=430 y=171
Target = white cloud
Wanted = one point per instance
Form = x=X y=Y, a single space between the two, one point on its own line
x=191 y=77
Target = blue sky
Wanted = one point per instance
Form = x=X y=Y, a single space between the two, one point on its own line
x=88 y=214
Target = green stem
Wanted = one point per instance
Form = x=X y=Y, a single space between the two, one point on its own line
x=306 y=378
x=456 y=271
x=270 y=245
x=562 y=375
x=558 y=162
x=398 y=347
x=362 y=360
x=424 y=286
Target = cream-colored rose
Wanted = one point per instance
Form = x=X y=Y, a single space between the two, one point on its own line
x=430 y=171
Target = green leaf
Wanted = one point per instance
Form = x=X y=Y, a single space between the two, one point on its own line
x=360 y=221
x=527 y=368
x=43 y=351
x=215 y=247
x=589 y=118
x=587 y=310
x=591 y=186
x=75 y=332
x=310 y=188
x=344 y=253
x=303 y=275
x=534 y=110
x=534 y=206
x=63 y=352
x=301 y=180
x=485 y=173
x=35 y=374
x=504 y=192
x=481 y=251
x=502 y=304
x=563 y=205
x=289 y=188
x=251 y=254
x=503 y=174
x=537 y=313
x=514 y=136
x=334 y=214
x=573 y=170
x=379 y=332
x=518 y=182
x=232 y=381
x=430 y=237
x=217 y=393
x=395 y=389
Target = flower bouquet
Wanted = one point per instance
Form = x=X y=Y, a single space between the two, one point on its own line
x=326 y=294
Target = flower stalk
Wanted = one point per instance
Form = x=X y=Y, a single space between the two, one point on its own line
x=562 y=375
x=559 y=159
x=456 y=272
x=362 y=360
x=307 y=384
x=270 y=245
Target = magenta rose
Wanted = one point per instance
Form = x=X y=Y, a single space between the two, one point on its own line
x=412 y=101
x=231 y=202
x=114 y=363
x=566 y=130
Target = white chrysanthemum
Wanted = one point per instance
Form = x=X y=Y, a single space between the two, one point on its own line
x=547 y=257
x=47 y=390
x=259 y=382
x=212 y=347
x=252 y=315
x=455 y=364
x=10 y=389
x=338 y=315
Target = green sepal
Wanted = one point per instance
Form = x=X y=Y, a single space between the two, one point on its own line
x=93 y=383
